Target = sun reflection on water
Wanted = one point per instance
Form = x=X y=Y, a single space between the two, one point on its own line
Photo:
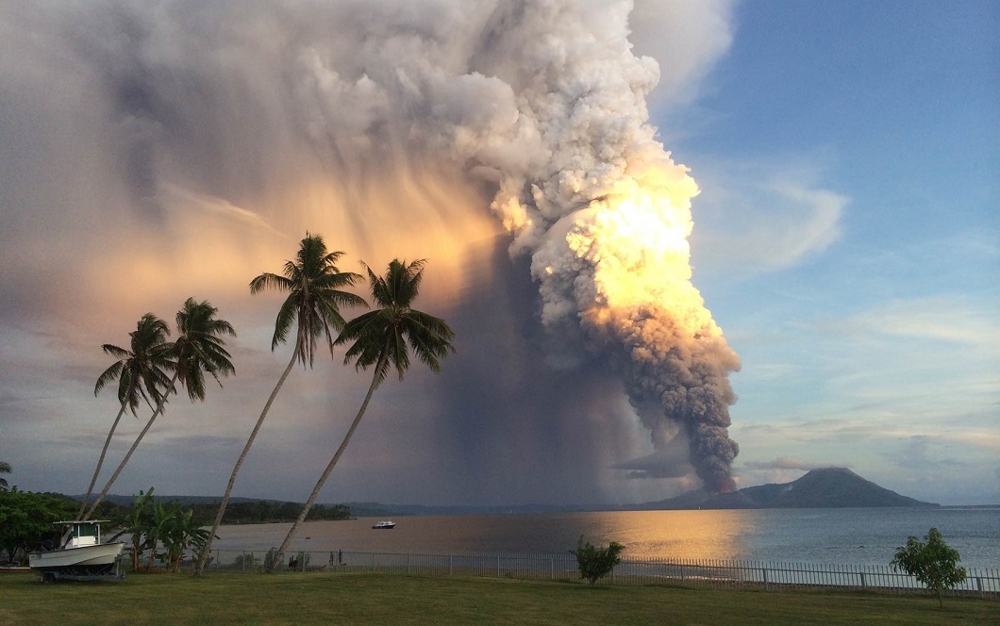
x=676 y=534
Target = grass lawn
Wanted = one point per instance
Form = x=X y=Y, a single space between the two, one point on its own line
x=360 y=599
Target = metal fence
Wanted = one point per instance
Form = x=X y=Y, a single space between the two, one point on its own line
x=764 y=575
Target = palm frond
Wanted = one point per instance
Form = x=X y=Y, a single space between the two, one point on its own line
x=200 y=348
x=316 y=293
x=268 y=280
x=115 y=351
x=394 y=328
x=108 y=375
x=283 y=322
x=140 y=371
x=430 y=337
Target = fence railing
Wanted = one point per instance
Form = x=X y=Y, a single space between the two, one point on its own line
x=765 y=575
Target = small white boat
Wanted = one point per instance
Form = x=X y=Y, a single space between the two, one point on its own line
x=83 y=556
x=384 y=525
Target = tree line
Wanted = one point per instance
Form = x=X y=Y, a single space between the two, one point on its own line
x=26 y=518
x=243 y=512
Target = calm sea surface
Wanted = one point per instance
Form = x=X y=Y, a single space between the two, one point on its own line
x=829 y=536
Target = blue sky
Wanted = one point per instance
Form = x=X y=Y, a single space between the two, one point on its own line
x=846 y=239
x=874 y=344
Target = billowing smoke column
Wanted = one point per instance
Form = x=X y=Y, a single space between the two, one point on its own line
x=606 y=218
x=355 y=117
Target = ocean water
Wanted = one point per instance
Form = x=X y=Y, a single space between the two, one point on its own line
x=824 y=536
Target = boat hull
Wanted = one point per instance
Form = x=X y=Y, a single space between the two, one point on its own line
x=84 y=557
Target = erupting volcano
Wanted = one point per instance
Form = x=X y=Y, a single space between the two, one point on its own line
x=606 y=221
x=415 y=129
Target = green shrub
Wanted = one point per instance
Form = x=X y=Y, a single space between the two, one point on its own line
x=246 y=561
x=597 y=562
x=269 y=559
x=933 y=562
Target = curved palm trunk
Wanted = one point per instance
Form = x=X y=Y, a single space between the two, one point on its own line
x=239 y=463
x=100 y=461
x=121 y=466
x=279 y=557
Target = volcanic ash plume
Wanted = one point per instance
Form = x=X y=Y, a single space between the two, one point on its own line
x=390 y=126
x=606 y=221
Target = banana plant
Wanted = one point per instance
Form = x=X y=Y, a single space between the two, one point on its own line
x=134 y=525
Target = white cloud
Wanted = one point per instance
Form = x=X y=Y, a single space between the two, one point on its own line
x=763 y=217
x=686 y=38
x=784 y=463
x=949 y=317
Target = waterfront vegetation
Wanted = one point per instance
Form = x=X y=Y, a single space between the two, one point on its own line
x=360 y=599
x=244 y=512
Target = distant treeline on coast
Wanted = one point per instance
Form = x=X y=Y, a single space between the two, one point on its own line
x=265 y=511
x=239 y=511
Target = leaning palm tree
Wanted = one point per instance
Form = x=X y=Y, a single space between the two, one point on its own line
x=315 y=290
x=199 y=349
x=141 y=373
x=4 y=469
x=382 y=338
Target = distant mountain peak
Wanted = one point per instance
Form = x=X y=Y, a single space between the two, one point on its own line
x=832 y=470
x=828 y=487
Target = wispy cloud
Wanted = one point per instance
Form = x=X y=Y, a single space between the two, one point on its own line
x=764 y=217
x=950 y=317
x=784 y=463
x=923 y=453
x=197 y=203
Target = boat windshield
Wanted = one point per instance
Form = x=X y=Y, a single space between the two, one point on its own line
x=84 y=533
x=87 y=530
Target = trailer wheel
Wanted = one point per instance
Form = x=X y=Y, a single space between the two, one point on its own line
x=48 y=577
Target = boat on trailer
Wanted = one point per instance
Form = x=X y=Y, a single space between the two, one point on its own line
x=83 y=557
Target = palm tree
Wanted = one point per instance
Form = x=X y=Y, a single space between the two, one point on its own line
x=315 y=295
x=4 y=469
x=383 y=338
x=140 y=373
x=199 y=349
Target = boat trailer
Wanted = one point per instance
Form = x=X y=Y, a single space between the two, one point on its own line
x=111 y=571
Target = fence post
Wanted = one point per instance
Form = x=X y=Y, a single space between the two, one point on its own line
x=766 y=585
x=979 y=586
x=552 y=569
x=498 y=565
x=451 y=566
x=407 y=563
x=862 y=580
